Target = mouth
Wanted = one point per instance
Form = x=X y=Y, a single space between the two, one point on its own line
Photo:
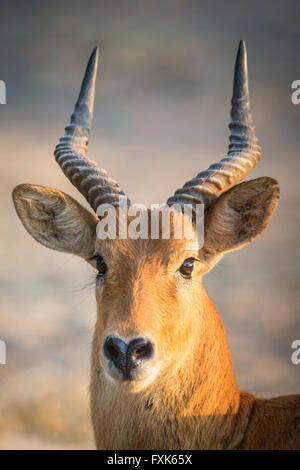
x=133 y=380
x=126 y=374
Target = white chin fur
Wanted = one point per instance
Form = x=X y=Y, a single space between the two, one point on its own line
x=134 y=385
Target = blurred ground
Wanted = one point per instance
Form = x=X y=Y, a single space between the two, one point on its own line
x=161 y=115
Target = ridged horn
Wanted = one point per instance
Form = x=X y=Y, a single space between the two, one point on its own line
x=243 y=152
x=70 y=153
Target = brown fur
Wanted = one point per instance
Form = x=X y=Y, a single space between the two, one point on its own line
x=189 y=398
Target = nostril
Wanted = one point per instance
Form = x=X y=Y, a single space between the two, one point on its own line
x=140 y=349
x=114 y=348
x=143 y=351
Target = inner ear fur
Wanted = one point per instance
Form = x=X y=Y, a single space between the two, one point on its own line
x=55 y=219
x=239 y=215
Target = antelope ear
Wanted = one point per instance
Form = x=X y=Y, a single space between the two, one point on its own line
x=55 y=219
x=239 y=216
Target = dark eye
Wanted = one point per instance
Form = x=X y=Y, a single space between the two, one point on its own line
x=100 y=265
x=187 y=267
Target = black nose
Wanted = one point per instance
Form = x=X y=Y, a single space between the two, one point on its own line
x=127 y=357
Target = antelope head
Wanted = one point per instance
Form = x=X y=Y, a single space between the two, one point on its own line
x=152 y=310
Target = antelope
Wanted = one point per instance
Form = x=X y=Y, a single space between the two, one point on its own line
x=161 y=370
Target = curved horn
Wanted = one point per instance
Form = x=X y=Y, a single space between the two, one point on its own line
x=70 y=153
x=243 y=152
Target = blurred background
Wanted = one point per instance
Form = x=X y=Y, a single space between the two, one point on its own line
x=161 y=115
